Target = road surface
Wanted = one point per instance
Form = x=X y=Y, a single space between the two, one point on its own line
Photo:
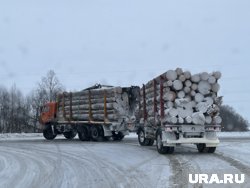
x=36 y=162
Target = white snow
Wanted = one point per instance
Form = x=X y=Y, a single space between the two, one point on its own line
x=28 y=160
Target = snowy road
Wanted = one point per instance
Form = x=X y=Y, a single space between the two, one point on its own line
x=35 y=162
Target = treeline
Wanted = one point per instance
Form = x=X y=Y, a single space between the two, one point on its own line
x=231 y=120
x=19 y=113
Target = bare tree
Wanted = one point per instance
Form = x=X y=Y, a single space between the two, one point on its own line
x=47 y=91
x=14 y=114
x=4 y=109
x=50 y=86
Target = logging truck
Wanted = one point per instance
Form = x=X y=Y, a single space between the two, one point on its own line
x=96 y=113
x=179 y=108
x=172 y=109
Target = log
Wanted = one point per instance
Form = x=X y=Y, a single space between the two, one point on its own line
x=171 y=75
x=217 y=120
x=198 y=118
x=181 y=94
x=188 y=83
x=169 y=104
x=179 y=71
x=208 y=120
x=171 y=112
x=215 y=87
x=202 y=107
x=183 y=113
x=169 y=96
x=187 y=74
x=115 y=90
x=204 y=87
x=177 y=85
x=182 y=78
x=217 y=75
x=187 y=90
x=204 y=76
x=173 y=120
x=170 y=120
x=211 y=79
x=195 y=78
x=182 y=102
x=93 y=101
x=188 y=119
x=194 y=87
x=198 y=97
x=169 y=83
x=193 y=93
x=180 y=120
x=209 y=100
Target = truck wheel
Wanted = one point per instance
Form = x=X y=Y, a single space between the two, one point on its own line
x=201 y=148
x=97 y=133
x=141 y=138
x=70 y=134
x=150 y=142
x=211 y=149
x=159 y=144
x=117 y=136
x=48 y=133
x=83 y=134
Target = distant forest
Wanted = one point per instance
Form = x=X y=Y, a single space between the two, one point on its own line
x=19 y=113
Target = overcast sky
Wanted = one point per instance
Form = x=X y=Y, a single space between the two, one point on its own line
x=125 y=42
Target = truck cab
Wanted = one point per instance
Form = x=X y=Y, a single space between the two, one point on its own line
x=48 y=112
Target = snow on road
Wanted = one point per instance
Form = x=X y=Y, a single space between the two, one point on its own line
x=28 y=160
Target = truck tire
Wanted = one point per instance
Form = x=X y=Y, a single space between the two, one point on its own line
x=83 y=134
x=48 y=133
x=97 y=133
x=203 y=149
x=211 y=149
x=117 y=136
x=141 y=138
x=151 y=142
x=159 y=144
x=70 y=135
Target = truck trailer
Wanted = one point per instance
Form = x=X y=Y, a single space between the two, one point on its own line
x=96 y=113
x=179 y=108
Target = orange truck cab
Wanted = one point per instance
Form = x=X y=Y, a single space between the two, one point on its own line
x=48 y=113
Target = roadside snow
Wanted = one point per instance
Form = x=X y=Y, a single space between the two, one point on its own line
x=234 y=134
x=14 y=136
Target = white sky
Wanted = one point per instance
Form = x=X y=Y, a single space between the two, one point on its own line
x=125 y=42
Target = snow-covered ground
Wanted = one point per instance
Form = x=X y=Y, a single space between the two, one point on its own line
x=28 y=160
x=7 y=136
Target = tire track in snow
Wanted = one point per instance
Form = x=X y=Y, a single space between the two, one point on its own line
x=79 y=168
x=233 y=162
x=23 y=168
x=180 y=172
x=93 y=168
x=123 y=174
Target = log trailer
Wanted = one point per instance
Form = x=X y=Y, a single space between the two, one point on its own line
x=172 y=113
x=96 y=113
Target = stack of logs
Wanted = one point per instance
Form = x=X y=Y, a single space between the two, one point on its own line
x=184 y=99
x=104 y=104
